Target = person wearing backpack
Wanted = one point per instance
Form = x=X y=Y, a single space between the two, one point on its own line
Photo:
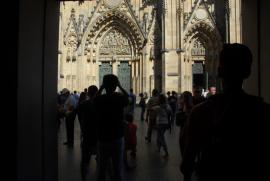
x=225 y=137
x=164 y=113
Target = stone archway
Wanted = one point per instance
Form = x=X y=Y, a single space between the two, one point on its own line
x=202 y=43
x=115 y=47
x=115 y=40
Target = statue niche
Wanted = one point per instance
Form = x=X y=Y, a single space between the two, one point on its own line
x=115 y=43
x=198 y=49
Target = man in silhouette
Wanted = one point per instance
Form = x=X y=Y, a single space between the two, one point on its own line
x=110 y=127
x=89 y=130
x=70 y=115
x=225 y=137
x=132 y=101
x=197 y=97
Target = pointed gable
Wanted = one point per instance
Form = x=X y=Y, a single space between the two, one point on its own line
x=71 y=30
x=200 y=13
x=123 y=6
x=111 y=12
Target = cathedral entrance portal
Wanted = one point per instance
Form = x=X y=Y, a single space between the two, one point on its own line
x=115 y=47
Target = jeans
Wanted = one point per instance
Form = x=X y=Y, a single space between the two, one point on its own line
x=160 y=137
x=151 y=125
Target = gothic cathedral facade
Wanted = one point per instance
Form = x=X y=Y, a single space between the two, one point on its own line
x=163 y=44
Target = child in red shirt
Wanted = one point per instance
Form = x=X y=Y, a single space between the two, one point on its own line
x=130 y=138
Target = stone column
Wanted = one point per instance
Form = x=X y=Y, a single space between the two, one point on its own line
x=142 y=73
x=97 y=68
x=170 y=57
x=80 y=73
x=235 y=21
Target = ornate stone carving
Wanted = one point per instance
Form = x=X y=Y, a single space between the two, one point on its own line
x=123 y=8
x=145 y=23
x=81 y=24
x=71 y=26
x=152 y=54
x=112 y=3
x=198 y=49
x=165 y=7
x=72 y=42
x=115 y=43
x=201 y=14
x=119 y=19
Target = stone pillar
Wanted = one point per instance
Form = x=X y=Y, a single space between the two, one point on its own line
x=146 y=73
x=142 y=74
x=59 y=72
x=95 y=72
x=235 y=21
x=170 y=60
x=97 y=66
x=133 y=73
x=80 y=78
x=115 y=65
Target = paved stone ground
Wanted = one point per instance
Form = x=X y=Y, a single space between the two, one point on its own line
x=150 y=164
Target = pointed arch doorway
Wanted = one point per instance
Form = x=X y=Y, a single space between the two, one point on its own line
x=199 y=72
x=202 y=44
x=115 y=55
x=113 y=44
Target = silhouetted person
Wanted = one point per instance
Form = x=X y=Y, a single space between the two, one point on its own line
x=172 y=101
x=212 y=91
x=110 y=112
x=61 y=99
x=185 y=107
x=132 y=101
x=168 y=94
x=197 y=96
x=76 y=96
x=163 y=117
x=142 y=104
x=151 y=114
x=227 y=133
x=82 y=98
x=89 y=129
x=70 y=115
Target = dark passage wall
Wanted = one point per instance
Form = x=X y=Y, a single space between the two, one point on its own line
x=256 y=35
x=36 y=93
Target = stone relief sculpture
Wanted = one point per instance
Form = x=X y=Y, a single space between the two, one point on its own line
x=198 y=48
x=115 y=43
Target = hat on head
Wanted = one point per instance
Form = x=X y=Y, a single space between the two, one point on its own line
x=65 y=90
